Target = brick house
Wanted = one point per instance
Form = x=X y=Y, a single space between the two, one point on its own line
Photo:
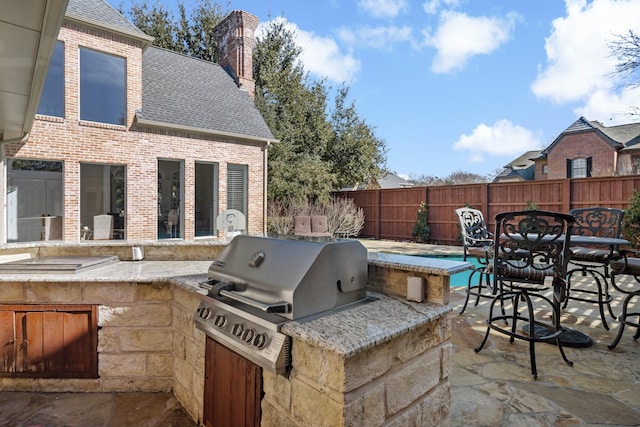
x=155 y=142
x=588 y=148
x=520 y=169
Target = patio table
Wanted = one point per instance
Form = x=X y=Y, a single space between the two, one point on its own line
x=613 y=243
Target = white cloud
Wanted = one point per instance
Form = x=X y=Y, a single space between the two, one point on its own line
x=503 y=138
x=460 y=36
x=579 y=61
x=375 y=37
x=432 y=7
x=383 y=8
x=611 y=108
x=321 y=55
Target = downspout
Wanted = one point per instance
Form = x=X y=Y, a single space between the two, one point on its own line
x=265 y=157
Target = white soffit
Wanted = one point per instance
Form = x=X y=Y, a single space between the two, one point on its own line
x=28 y=33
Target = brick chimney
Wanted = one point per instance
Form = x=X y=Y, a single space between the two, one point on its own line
x=236 y=39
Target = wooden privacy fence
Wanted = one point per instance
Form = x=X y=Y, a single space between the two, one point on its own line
x=390 y=214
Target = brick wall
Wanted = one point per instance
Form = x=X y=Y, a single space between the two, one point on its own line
x=74 y=142
x=580 y=145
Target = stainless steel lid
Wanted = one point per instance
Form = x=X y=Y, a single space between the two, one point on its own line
x=294 y=278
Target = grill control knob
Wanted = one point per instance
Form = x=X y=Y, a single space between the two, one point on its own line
x=237 y=329
x=205 y=313
x=248 y=334
x=220 y=321
x=260 y=340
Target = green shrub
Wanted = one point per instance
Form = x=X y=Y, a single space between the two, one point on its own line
x=631 y=221
x=421 y=230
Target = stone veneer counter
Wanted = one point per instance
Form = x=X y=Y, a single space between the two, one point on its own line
x=344 y=363
x=346 y=332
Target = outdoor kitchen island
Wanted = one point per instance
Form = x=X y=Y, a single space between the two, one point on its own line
x=383 y=362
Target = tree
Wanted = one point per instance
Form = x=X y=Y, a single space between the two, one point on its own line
x=354 y=152
x=294 y=110
x=192 y=34
x=155 y=21
x=196 y=35
x=318 y=151
x=457 y=177
x=626 y=47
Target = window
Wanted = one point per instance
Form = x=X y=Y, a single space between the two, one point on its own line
x=237 y=180
x=206 y=198
x=34 y=200
x=102 y=192
x=52 y=99
x=102 y=87
x=635 y=164
x=545 y=169
x=579 y=168
x=170 y=188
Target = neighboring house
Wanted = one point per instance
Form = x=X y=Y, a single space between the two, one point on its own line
x=588 y=148
x=388 y=180
x=520 y=169
x=391 y=180
x=160 y=142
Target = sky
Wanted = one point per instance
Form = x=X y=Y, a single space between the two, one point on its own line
x=463 y=85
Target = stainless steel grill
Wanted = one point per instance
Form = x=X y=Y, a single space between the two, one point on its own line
x=257 y=284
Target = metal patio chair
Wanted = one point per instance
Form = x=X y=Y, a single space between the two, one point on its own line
x=477 y=241
x=628 y=265
x=530 y=256
x=593 y=260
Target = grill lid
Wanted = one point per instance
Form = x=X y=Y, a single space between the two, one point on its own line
x=294 y=278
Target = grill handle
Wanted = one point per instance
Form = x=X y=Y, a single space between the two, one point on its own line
x=278 y=307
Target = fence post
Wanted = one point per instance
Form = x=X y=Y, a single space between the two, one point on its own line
x=484 y=203
x=566 y=195
x=378 y=209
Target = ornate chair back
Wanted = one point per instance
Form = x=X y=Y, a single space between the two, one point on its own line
x=474 y=229
x=531 y=246
x=597 y=221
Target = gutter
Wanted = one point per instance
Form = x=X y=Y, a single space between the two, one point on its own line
x=193 y=129
x=264 y=188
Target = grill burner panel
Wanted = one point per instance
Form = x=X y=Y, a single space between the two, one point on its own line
x=255 y=337
x=257 y=284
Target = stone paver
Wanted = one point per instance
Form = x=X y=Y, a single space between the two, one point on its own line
x=495 y=388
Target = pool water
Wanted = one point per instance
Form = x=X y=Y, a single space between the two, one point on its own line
x=458 y=279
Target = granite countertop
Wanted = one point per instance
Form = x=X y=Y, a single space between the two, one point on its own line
x=120 y=271
x=364 y=326
x=418 y=264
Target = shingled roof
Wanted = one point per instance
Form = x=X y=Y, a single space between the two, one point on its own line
x=99 y=13
x=196 y=94
x=621 y=137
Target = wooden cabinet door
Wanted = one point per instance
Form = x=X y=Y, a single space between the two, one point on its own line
x=232 y=388
x=50 y=341
x=7 y=341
